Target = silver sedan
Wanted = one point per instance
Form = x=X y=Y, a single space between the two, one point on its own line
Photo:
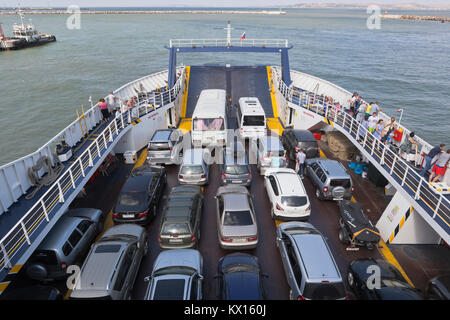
x=236 y=220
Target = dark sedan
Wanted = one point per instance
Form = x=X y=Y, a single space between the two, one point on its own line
x=240 y=278
x=138 y=199
x=294 y=139
x=372 y=279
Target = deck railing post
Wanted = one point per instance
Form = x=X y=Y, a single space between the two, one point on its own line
x=382 y=154
x=71 y=177
x=45 y=210
x=81 y=166
x=98 y=148
x=25 y=232
x=61 y=195
x=91 y=163
x=393 y=165
x=437 y=207
x=404 y=177
x=373 y=145
x=365 y=138
x=417 y=195
x=6 y=257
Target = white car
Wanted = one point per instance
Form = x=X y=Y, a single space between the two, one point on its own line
x=287 y=195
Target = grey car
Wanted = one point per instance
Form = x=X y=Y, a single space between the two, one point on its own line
x=195 y=167
x=177 y=275
x=269 y=153
x=310 y=268
x=65 y=245
x=111 y=267
x=165 y=147
x=180 y=224
x=330 y=178
x=236 y=219
x=235 y=169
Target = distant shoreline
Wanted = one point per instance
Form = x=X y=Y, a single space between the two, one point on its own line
x=83 y=11
x=408 y=17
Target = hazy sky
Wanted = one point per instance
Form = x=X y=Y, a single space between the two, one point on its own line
x=203 y=3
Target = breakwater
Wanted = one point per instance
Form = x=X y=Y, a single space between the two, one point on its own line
x=408 y=17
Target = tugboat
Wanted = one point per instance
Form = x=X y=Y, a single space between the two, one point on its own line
x=24 y=36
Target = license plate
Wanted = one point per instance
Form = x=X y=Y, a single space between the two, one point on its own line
x=338 y=199
x=175 y=240
x=127 y=216
x=236 y=181
x=239 y=240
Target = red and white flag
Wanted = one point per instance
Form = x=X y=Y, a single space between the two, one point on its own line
x=243 y=36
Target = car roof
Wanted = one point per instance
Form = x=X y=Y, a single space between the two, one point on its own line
x=303 y=135
x=334 y=168
x=290 y=183
x=137 y=183
x=210 y=104
x=251 y=105
x=185 y=188
x=161 y=135
x=177 y=212
x=235 y=201
x=317 y=259
x=99 y=268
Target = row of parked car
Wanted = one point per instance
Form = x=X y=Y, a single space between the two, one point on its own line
x=110 y=269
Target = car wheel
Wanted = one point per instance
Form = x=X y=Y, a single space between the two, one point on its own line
x=341 y=222
x=351 y=279
x=343 y=237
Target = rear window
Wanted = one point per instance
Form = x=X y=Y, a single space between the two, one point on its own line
x=253 y=121
x=131 y=198
x=191 y=170
x=325 y=291
x=236 y=169
x=47 y=257
x=237 y=218
x=294 y=201
x=170 y=228
x=156 y=146
x=108 y=248
x=340 y=183
x=169 y=289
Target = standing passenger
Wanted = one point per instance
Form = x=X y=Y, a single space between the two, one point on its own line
x=440 y=166
x=104 y=109
x=429 y=157
x=301 y=157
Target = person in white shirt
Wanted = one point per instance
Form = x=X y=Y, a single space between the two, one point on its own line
x=111 y=101
x=301 y=157
x=373 y=120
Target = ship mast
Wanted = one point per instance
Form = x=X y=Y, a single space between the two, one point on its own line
x=1 y=33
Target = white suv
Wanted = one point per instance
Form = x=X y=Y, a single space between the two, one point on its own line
x=287 y=195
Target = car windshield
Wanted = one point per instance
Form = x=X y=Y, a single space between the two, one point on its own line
x=171 y=228
x=237 y=218
x=131 y=198
x=340 y=183
x=294 y=201
x=208 y=124
x=169 y=289
x=254 y=121
x=191 y=170
x=236 y=169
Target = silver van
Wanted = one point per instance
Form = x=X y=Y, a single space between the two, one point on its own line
x=165 y=147
x=330 y=178
x=111 y=267
x=65 y=245
x=310 y=268
x=195 y=167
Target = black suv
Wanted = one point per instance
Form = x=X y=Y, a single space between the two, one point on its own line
x=300 y=139
x=140 y=195
x=180 y=224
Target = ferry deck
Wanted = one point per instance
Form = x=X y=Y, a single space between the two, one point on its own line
x=417 y=262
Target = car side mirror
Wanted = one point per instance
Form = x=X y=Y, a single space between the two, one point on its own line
x=279 y=239
x=201 y=277
x=147 y=278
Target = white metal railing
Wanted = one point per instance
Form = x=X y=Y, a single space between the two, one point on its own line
x=14 y=180
x=414 y=185
x=178 y=43
x=11 y=243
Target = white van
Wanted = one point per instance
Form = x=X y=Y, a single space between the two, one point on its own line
x=251 y=118
x=209 y=121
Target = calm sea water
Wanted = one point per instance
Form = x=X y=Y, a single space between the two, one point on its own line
x=403 y=65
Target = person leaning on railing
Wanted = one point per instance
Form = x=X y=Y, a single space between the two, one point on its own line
x=407 y=147
x=429 y=158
